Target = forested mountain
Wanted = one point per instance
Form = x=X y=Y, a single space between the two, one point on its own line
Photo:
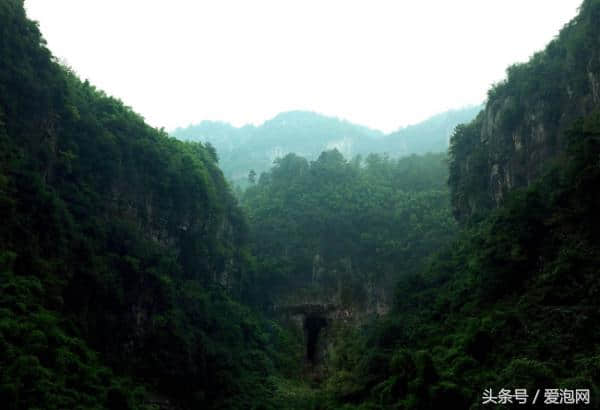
x=525 y=120
x=121 y=252
x=341 y=232
x=431 y=135
x=131 y=278
x=512 y=303
x=307 y=134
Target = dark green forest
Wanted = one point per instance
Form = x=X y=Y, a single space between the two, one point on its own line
x=132 y=277
x=327 y=228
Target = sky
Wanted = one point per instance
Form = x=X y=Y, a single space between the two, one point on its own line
x=384 y=64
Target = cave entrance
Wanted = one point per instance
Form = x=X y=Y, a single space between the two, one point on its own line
x=312 y=327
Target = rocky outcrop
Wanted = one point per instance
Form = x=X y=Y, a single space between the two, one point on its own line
x=315 y=321
x=524 y=123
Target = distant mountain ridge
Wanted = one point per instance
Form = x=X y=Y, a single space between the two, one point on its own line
x=430 y=135
x=307 y=134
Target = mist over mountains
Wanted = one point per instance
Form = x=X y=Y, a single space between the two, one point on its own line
x=307 y=134
x=133 y=277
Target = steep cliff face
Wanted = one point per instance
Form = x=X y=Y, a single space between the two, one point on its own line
x=523 y=123
x=100 y=159
x=333 y=237
x=122 y=250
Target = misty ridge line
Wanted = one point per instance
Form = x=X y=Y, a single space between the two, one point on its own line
x=307 y=134
x=339 y=119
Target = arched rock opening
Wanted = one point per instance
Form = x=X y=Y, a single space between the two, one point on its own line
x=313 y=324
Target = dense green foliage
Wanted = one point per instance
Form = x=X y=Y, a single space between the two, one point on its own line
x=307 y=134
x=526 y=117
x=512 y=302
x=255 y=147
x=131 y=279
x=121 y=251
x=348 y=229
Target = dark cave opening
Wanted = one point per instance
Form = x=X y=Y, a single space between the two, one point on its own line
x=312 y=327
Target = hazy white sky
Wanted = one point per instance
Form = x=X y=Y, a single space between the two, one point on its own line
x=379 y=63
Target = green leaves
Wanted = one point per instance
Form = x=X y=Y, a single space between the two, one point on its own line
x=372 y=223
x=121 y=250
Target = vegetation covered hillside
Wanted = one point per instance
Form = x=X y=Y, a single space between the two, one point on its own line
x=526 y=117
x=432 y=135
x=307 y=134
x=333 y=231
x=130 y=278
x=121 y=250
x=513 y=302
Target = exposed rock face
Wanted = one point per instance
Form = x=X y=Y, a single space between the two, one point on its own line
x=307 y=134
x=523 y=124
x=319 y=315
x=316 y=322
x=518 y=155
x=337 y=294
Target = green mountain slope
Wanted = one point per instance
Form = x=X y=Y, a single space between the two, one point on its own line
x=121 y=252
x=130 y=278
x=524 y=122
x=338 y=232
x=431 y=135
x=307 y=134
x=512 y=304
